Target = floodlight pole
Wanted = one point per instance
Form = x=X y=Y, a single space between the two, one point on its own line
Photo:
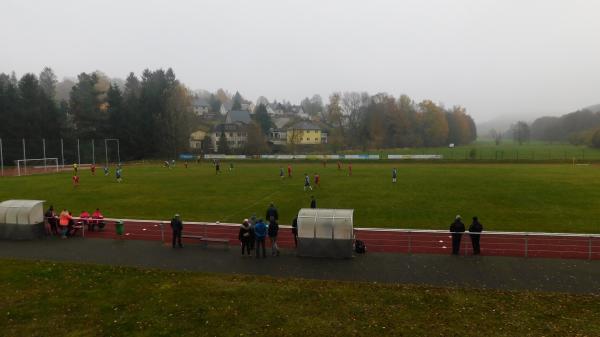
x=1 y=159
x=78 y=154
x=62 y=153
x=24 y=158
x=106 y=152
x=44 y=151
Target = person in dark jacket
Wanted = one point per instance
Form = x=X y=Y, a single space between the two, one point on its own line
x=177 y=227
x=476 y=227
x=260 y=233
x=273 y=230
x=253 y=221
x=313 y=202
x=456 y=228
x=272 y=212
x=295 y=231
x=245 y=237
x=52 y=220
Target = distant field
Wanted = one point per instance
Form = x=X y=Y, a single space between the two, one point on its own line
x=515 y=197
x=62 y=299
x=506 y=151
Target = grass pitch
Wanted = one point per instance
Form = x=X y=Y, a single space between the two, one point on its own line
x=62 y=299
x=514 y=197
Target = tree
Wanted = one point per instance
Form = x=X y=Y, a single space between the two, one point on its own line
x=261 y=116
x=48 y=82
x=521 y=132
x=222 y=145
x=257 y=142
x=435 y=125
x=496 y=136
x=214 y=103
x=596 y=139
x=89 y=114
x=237 y=101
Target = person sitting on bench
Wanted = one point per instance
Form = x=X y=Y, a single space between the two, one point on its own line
x=97 y=220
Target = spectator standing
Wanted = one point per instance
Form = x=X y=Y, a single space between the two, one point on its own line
x=244 y=236
x=295 y=231
x=273 y=231
x=63 y=222
x=253 y=221
x=313 y=202
x=456 y=228
x=52 y=220
x=272 y=213
x=476 y=227
x=260 y=232
x=177 y=227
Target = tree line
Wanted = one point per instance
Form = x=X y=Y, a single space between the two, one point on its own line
x=152 y=115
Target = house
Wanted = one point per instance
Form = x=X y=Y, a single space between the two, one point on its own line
x=196 y=139
x=278 y=136
x=200 y=106
x=235 y=116
x=235 y=134
x=304 y=133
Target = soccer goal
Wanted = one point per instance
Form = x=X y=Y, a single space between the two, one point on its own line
x=33 y=166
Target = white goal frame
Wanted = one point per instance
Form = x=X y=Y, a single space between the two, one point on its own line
x=22 y=163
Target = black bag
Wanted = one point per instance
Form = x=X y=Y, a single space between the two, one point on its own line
x=359 y=247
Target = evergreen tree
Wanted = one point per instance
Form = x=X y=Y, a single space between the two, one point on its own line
x=261 y=116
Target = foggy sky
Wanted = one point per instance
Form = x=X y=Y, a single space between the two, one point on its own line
x=496 y=58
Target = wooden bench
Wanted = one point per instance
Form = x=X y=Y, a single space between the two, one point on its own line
x=205 y=239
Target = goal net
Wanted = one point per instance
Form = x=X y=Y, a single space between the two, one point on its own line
x=35 y=166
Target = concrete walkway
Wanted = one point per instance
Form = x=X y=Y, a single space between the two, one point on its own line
x=562 y=275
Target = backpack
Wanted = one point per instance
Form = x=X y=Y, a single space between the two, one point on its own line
x=359 y=247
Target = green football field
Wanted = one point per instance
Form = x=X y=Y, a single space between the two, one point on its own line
x=512 y=197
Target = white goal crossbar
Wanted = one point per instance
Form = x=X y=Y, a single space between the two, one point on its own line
x=40 y=165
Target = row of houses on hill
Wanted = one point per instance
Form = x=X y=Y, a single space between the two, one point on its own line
x=235 y=131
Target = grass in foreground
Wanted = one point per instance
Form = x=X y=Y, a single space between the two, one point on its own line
x=60 y=299
x=514 y=197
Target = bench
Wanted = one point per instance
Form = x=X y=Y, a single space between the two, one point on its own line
x=205 y=239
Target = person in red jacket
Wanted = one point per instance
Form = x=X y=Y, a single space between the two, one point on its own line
x=64 y=220
x=97 y=220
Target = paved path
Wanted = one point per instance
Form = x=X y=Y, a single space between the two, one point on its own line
x=563 y=275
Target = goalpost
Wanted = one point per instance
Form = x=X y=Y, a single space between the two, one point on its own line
x=40 y=165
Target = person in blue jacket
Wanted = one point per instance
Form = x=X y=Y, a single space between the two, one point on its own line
x=260 y=233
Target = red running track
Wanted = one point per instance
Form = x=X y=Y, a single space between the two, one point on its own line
x=389 y=241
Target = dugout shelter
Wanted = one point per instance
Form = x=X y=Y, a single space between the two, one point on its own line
x=325 y=232
x=21 y=219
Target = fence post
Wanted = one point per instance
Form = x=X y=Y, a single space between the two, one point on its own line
x=62 y=152
x=25 y=158
x=590 y=247
x=526 y=245
x=44 y=152
x=162 y=231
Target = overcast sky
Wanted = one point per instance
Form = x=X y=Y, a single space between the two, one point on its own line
x=496 y=58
